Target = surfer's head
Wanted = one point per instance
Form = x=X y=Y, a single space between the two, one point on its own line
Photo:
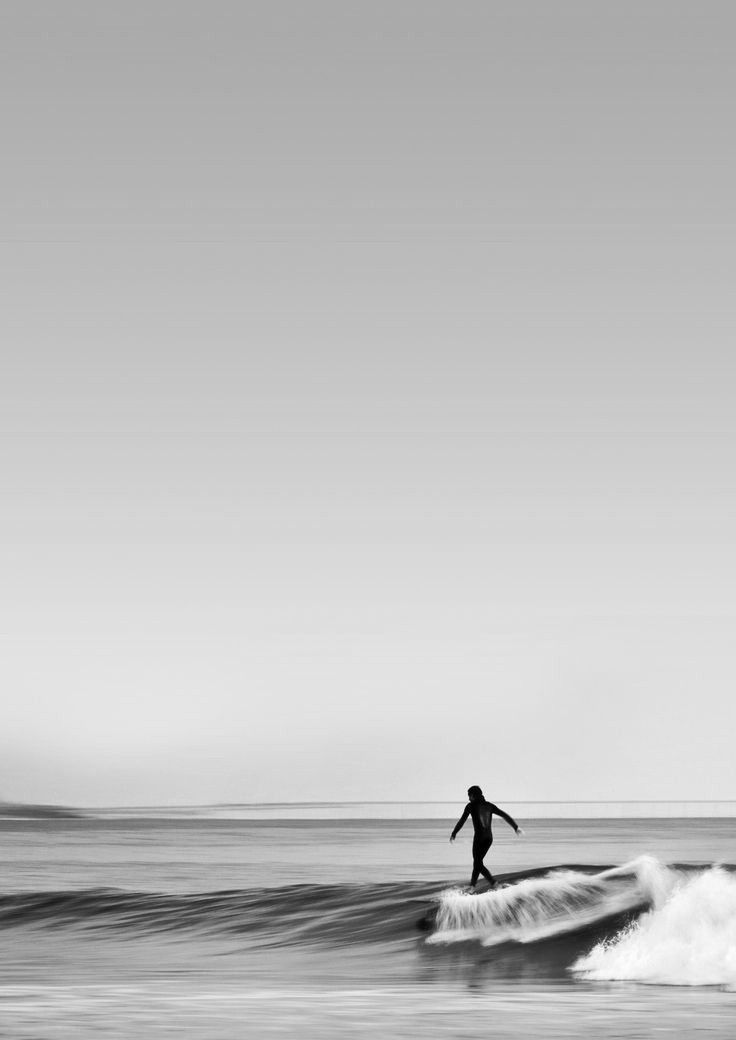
x=474 y=793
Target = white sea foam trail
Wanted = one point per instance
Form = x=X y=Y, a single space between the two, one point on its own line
x=559 y=902
x=688 y=938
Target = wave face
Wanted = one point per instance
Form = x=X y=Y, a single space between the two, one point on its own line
x=641 y=922
x=292 y=915
x=688 y=937
x=560 y=902
x=532 y=908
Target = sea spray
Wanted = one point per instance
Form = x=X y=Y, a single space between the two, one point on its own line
x=559 y=902
x=688 y=938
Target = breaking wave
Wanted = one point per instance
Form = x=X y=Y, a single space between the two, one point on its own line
x=641 y=922
x=656 y=924
x=687 y=938
x=557 y=903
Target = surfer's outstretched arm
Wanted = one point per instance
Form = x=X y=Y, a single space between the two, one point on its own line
x=505 y=816
x=460 y=822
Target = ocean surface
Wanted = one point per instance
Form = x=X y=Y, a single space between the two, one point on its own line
x=138 y=927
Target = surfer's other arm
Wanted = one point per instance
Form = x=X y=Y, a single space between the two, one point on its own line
x=460 y=822
x=505 y=816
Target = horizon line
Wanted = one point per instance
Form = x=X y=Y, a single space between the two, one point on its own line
x=372 y=801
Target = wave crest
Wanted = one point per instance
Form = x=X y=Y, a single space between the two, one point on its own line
x=541 y=907
x=688 y=937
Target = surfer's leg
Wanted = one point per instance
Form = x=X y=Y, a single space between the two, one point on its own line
x=480 y=848
x=477 y=863
x=487 y=875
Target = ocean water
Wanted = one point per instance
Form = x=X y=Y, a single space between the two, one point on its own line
x=216 y=928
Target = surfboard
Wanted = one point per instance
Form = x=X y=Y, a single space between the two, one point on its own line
x=482 y=888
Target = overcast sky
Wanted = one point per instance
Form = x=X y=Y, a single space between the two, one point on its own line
x=367 y=400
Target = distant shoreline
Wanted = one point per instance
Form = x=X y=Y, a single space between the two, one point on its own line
x=19 y=810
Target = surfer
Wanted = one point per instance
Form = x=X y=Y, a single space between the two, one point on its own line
x=482 y=813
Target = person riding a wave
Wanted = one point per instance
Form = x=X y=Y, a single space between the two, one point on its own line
x=482 y=813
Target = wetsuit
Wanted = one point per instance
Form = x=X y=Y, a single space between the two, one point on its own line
x=482 y=815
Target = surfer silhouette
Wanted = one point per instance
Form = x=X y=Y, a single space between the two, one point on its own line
x=482 y=813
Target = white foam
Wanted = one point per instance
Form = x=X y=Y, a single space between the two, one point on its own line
x=559 y=902
x=687 y=939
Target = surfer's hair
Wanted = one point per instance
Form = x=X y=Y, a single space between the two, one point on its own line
x=475 y=790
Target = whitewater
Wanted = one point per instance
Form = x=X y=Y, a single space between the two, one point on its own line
x=683 y=934
x=688 y=938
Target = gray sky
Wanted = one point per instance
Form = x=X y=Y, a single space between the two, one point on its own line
x=367 y=400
